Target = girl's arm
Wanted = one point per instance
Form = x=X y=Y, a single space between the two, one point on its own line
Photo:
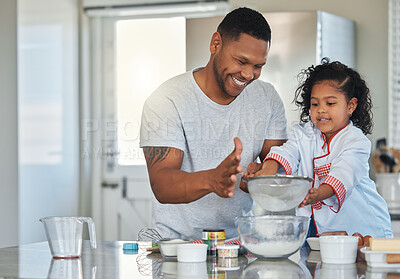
x=317 y=194
x=269 y=167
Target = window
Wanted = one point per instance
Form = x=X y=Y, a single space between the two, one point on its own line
x=142 y=65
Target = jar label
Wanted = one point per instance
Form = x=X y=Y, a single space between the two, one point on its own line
x=213 y=235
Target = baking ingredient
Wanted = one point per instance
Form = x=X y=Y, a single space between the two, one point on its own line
x=366 y=240
x=213 y=234
x=272 y=249
x=213 y=238
x=360 y=238
x=228 y=251
x=384 y=244
x=393 y=258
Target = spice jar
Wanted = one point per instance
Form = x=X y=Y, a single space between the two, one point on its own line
x=213 y=237
x=228 y=251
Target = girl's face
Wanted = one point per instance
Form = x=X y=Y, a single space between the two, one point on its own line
x=329 y=109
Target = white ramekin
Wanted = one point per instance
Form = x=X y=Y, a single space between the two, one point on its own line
x=191 y=253
x=338 y=249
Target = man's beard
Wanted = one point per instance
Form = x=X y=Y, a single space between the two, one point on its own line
x=218 y=76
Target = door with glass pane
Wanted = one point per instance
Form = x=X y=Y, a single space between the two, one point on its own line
x=137 y=56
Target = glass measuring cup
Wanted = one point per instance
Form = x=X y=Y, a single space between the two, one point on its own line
x=65 y=268
x=70 y=269
x=64 y=235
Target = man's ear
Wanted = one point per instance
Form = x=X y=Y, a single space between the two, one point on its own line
x=216 y=43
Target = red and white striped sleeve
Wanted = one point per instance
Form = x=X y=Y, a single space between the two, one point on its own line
x=280 y=160
x=338 y=188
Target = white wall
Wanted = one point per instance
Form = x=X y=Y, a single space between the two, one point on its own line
x=48 y=113
x=8 y=118
x=40 y=88
x=371 y=18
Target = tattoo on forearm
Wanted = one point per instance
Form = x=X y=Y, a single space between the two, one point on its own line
x=154 y=155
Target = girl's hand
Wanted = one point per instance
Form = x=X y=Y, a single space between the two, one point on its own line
x=324 y=191
x=265 y=171
x=312 y=196
x=269 y=167
x=252 y=168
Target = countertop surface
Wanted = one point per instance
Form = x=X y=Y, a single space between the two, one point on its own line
x=109 y=260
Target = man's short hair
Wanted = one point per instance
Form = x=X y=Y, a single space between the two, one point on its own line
x=244 y=20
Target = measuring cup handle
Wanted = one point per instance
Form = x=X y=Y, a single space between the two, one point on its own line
x=92 y=230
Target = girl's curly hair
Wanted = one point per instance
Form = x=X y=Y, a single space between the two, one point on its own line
x=347 y=80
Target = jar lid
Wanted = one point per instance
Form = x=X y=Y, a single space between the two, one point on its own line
x=213 y=230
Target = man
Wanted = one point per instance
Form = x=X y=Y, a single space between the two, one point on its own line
x=192 y=122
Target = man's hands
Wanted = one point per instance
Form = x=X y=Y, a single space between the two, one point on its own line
x=170 y=184
x=225 y=175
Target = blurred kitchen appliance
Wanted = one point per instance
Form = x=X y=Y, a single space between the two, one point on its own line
x=386 y=166
x=388 y=186
x=299 y=39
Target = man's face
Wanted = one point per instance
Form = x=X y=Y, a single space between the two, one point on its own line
x=237 y=63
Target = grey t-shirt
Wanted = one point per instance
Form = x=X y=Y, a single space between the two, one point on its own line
x=178 y=114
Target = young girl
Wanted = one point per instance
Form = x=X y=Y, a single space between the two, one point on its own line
x=330 y=146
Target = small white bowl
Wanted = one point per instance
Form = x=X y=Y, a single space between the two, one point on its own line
x=314 y=243
x=338 y=249
x=192 y=253
x=168 y=246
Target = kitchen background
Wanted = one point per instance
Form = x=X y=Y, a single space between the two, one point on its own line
x=57 y=77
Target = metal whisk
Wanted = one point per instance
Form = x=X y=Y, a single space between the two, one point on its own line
x=147 y=234
x=147 y=266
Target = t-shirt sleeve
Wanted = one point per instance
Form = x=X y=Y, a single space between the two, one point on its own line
x=276 y=129
x=161 y=124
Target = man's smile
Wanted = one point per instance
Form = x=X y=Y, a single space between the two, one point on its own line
x=238 y=82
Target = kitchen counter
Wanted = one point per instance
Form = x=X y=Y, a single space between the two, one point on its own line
x=110 y=261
